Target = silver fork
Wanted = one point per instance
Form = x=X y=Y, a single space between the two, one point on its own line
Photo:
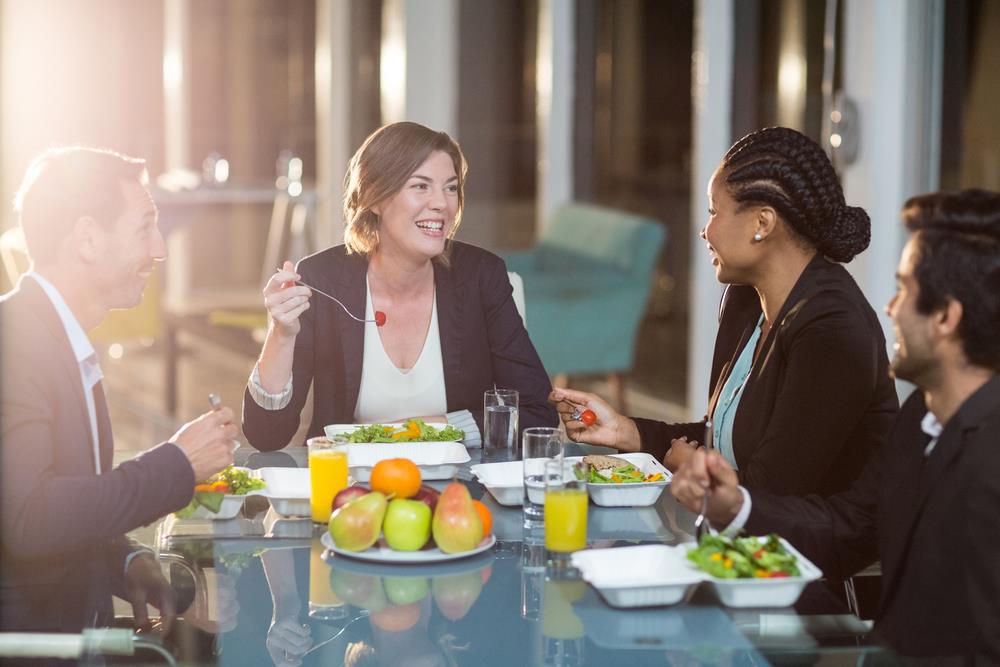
x=332 y=298
x=700 y=523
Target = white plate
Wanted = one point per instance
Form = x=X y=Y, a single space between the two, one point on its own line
x=383 y=554
x=436 y=460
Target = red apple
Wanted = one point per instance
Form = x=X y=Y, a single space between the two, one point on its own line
x=428 y=495
x=347 y=495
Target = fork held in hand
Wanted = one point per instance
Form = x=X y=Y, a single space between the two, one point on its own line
x=379 y=320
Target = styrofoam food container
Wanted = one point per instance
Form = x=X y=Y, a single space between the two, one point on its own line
x=288 y=490
x=231 y=503
x=782 y=592
x=504 y=481
x=436 y=460
x=639 y=494
x=641 y=576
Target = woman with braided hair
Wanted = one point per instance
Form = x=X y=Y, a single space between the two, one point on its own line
x=801 y=393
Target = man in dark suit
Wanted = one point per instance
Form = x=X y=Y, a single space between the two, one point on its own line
x=928 y=504
x=91 y=230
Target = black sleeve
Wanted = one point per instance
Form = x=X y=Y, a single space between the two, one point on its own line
x=839 y=534
x=982 y=580
x=655 y=436
x=269 y=430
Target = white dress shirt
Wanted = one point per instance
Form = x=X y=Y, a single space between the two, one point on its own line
x=86 y=357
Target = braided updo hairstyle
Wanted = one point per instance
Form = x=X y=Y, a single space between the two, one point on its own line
x=788 y=171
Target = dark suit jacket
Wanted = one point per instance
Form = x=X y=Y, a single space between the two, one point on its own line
x=62 y=529
x=933 y=521
x=483 y=344
x=819 y=399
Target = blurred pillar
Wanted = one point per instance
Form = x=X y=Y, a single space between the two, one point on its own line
x=554 y=77
x=419 y=63
x=711 y=93
x=892 y=71
x=333 y=115
x=177 y=131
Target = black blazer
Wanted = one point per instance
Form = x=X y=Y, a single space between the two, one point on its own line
x=818 y=400
x=933 y=521
x=63 y=526
x=483 y=343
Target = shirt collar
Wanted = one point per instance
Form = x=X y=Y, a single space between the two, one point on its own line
x=930 y=425
x=83 y=350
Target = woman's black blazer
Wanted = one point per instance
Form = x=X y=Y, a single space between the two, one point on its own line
x=483 y=343
x=819 y=399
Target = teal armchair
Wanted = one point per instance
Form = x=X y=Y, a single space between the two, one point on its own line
x=586 y=284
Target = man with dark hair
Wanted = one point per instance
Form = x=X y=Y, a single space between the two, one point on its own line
x=928 y=504
x=91 y=229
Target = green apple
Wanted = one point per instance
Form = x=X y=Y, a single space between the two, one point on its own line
x=407 y=525
x=406 y=590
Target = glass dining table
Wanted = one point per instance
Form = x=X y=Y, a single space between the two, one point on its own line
x=261 y=589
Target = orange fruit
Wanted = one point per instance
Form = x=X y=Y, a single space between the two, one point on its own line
x=397 y=619
x=400 y=477
x=485 y=516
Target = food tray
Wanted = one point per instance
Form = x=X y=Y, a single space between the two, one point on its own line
x=642 y=576
x=231 y=503
x=332 y=430
x=288 y=490
x=639 y=494
x=781 y=592
x=436 y=460
x=504 y=481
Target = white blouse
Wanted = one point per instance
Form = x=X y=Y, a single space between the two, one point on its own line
x=388 y=393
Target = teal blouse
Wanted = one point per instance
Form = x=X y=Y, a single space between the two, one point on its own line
x=729 y=398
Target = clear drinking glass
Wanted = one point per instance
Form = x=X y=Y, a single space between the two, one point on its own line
x=500 y=408
x=539 y=445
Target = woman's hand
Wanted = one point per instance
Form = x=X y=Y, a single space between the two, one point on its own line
x=680 y=452
x=704 y=472
x=610 y=428
x=285 y=301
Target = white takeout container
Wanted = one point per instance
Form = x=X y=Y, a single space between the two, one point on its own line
x=231 y=503
x=436 y=460
x=641 y=576
x=504 y=481
x=637 y=494
x=779 y=592
x=287 y=490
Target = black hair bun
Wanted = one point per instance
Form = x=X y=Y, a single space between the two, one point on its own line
x=847 y=234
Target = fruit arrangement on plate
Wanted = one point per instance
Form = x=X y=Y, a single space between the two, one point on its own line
x=407 y=515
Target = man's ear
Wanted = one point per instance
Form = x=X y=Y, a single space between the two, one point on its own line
x=948 y=319
x=89 y=239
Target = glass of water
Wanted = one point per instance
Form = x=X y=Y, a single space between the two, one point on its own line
x=540 y=445
x=500 y=425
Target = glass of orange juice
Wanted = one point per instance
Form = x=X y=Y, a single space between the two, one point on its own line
x=323 y=602
x=327 y=475
x=565 y=512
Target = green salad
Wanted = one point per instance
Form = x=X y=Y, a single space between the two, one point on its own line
x=228 y=481
x=744 y=557
x=414 y=430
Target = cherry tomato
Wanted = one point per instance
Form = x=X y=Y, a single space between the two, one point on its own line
x=379 y=318
x=588 y=417
x=778 y=575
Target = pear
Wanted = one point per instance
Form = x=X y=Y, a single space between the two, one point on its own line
x=456 y=525
x=356 y=525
